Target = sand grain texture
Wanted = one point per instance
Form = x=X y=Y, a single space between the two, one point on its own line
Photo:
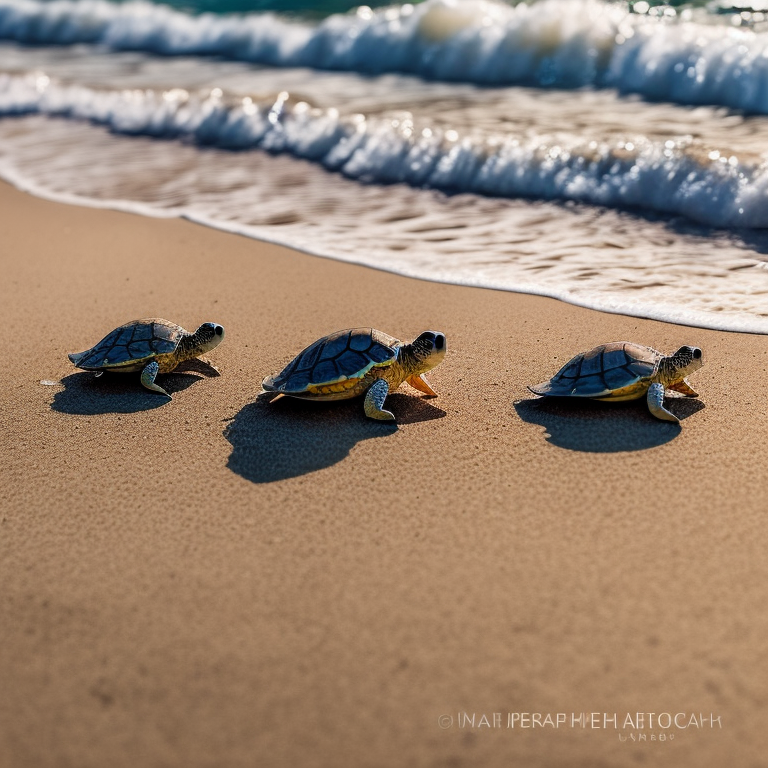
x=218 y=582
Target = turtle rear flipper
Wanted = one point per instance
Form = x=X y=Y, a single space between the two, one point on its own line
x=545 y=388
x=77 y=357
x=90 y=360
x=268 y=385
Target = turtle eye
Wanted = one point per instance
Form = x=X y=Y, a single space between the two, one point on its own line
x=439 y=341
x=696 y=353
x=218 y=330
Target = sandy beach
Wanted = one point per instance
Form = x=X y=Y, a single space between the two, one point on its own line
x=218 y=582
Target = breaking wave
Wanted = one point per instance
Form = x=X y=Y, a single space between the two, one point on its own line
x=689 y=57
x=676 y=177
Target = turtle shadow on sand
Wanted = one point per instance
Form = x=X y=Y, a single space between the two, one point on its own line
x=291 y=437
x=85 y=394
x=595 y=427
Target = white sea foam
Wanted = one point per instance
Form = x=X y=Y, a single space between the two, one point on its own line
x=692 y=59
x=125 y=130
x=676 y=176
x=598 y=258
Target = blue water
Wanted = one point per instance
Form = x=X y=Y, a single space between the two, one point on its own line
x=298 y=8
x=688 y=57
x=309 y=9
x=641 y=124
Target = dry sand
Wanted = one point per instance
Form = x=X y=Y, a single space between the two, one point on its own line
x=214 y=582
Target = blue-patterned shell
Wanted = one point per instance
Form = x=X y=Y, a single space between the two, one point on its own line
x=602 y=370
x=131 y=343
x=347 y=354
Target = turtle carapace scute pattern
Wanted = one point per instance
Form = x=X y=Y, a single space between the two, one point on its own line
x=623 y=370
x=152 y=346
x=335 y=358
x=354 y=361
x=129 y=344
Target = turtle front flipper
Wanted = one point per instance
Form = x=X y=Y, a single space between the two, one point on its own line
x=685 y=388
x=201 y=364
x=206 y=362
x=421 y=383
x=148 y=378
x=655 y=400
x=374 y=401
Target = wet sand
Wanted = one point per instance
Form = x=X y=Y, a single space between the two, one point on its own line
x=215 y=581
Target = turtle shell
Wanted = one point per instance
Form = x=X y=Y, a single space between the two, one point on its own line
x=610 y=370
x=131 y=345
x=343 y=355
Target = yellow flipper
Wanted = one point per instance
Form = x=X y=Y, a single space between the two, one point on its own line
x=420 y=383
x=685 y=388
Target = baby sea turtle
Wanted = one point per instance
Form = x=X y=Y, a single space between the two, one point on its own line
x=151 y=346
x=347 y=363
x=622 y=370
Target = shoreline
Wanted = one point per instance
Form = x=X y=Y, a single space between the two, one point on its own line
x=204 y=581
x=601 y=301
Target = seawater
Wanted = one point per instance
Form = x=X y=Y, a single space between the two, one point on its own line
x=608 y=154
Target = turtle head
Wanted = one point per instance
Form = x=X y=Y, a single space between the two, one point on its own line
x=684 y=362
x=426 y=351
x=207 y=336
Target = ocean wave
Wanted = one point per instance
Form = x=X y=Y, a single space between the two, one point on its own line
x=689 y=57
x=606 y=259
x=676 y=176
